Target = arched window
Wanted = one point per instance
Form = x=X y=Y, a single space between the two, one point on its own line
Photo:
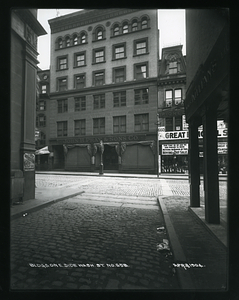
x=83 y=38
x=144 y=24
x=99 y=34
x=75 y=39
x=134 y=26
x=67 y=42
x=125 y=28
x=116 y=30
x=60 y=43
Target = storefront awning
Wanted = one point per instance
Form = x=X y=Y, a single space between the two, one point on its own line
x=42 y=151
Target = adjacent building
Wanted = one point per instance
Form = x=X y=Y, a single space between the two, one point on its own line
x=103 y=90
x=25 y=30
x=207 y=97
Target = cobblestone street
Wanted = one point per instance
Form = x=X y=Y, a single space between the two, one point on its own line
x=79 y=243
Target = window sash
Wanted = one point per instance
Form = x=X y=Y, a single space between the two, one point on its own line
x=119 y=124
x=119 y=99
x=141 y=96
x=99 y=35
x=144 y=24
x=99 y=56
x=173 y=67
x=62 y=84
x=67 y=42
x=83 y=39
x=75 y=40
x=126 y=28
x=119 y=75
x=42 y=105
x=79 y=127
x=119 y=52
x=141 y=47
x=62 y=129
x=116 y=30
x=43 y=89
x=169 y=124
x=99 y=126
x=80 y=81
x=80 y=103
x=99 y=101
x=62 y=106
x=80 y=60
x=141 y=71
x=141 y=122
x=134 y=26
x=99 y=78
x=62 y=63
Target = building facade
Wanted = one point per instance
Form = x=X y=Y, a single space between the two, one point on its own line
x=207 y=99
x=103 y=90
x=43 y=156
x=173 y=133
x=25 y=30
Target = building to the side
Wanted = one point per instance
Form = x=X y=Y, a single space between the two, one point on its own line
x=25 y=30
x=44 y=158
x=207 y=96
x=173 y=129
x=172 y=135
x=103 y=90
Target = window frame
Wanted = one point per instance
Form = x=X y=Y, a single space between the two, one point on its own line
x=82 y=103
x=141 y=116
x=138 y=41
x=136 y=76
x=168 y=99
x=114 y=47
x=82 y=129
x=121 y=95
x=98 y=120
x=122 y=68
x=141 y=94
x=44 y=105
x=119 y=125
x=177 y=98
x=99 y=101
x=58 y=83
x=44 y=91
x=133 y=27
x=123 y=25
x=82 y=53
x=62 y=106
x=59 y=64
x=172 y=68
x=94 y=73
x=75 y=80
x=96 y=50
x=63 y=130
x=147 y=23
x=118 y=31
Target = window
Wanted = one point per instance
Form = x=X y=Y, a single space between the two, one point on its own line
x=60 y=43
x=99 y=34
x=169 y=98
x=169 y=124
x=98 y=55
x=80 y=81
x=141 y=96
x=177 y=96
x=119 y=124
x=62 y=106
x=173 y=68
x=62 y=63
x=42 y=140
x=119 y=99
x=141 y=47
x=141 y=122
x=79 y=127
x=99 y=101
x=134 y=26
x=80 y=59
x=41 y=121
x=178 y=123
x=62 y=128
x=144 y=24
x=99 y=126
x=119 y=51
x=119 y=74
x=125 y=28
x=42 y=105
x=116 y=30
x=80 y=103
x=98 y=78
x=67 y=42
x=141 y=71
x=83 y=38
x=43 y=89
x=75 y=39
x=62 y=84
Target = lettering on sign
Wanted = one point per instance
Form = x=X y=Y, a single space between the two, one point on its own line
x=105 y=139
x=177 y=135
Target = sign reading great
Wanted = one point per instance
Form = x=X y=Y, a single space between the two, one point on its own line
x=177 y=135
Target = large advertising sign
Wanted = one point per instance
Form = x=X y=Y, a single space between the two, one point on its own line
x=184 y=134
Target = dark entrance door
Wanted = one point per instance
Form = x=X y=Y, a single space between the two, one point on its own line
x=110 y=158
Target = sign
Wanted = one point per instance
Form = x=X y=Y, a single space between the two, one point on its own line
x=175 y=149
x=184 y=134
x=159 y=164
x=222 y=148
x=29 y=162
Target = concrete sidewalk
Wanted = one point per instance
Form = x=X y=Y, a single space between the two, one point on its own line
x=192 y=239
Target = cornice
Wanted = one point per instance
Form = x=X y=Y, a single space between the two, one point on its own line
x=81 y=19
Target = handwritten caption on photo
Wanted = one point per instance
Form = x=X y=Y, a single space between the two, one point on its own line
x=70 y=265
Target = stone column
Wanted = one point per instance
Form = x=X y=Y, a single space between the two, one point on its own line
x=194 y=169
x=212 y=208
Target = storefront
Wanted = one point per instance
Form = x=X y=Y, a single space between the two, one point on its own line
x=121 y=153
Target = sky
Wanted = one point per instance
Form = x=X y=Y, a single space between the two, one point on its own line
x=171 y=23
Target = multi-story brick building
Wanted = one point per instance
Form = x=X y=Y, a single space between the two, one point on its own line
x=43 y=156
x=104 y=68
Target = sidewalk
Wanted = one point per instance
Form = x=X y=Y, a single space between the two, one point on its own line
x=192 y=240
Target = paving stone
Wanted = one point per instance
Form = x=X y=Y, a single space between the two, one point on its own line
x=112 y=284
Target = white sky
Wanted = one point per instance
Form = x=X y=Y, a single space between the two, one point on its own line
x=171 y=24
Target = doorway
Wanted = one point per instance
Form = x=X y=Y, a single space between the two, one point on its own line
x=110 y=158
